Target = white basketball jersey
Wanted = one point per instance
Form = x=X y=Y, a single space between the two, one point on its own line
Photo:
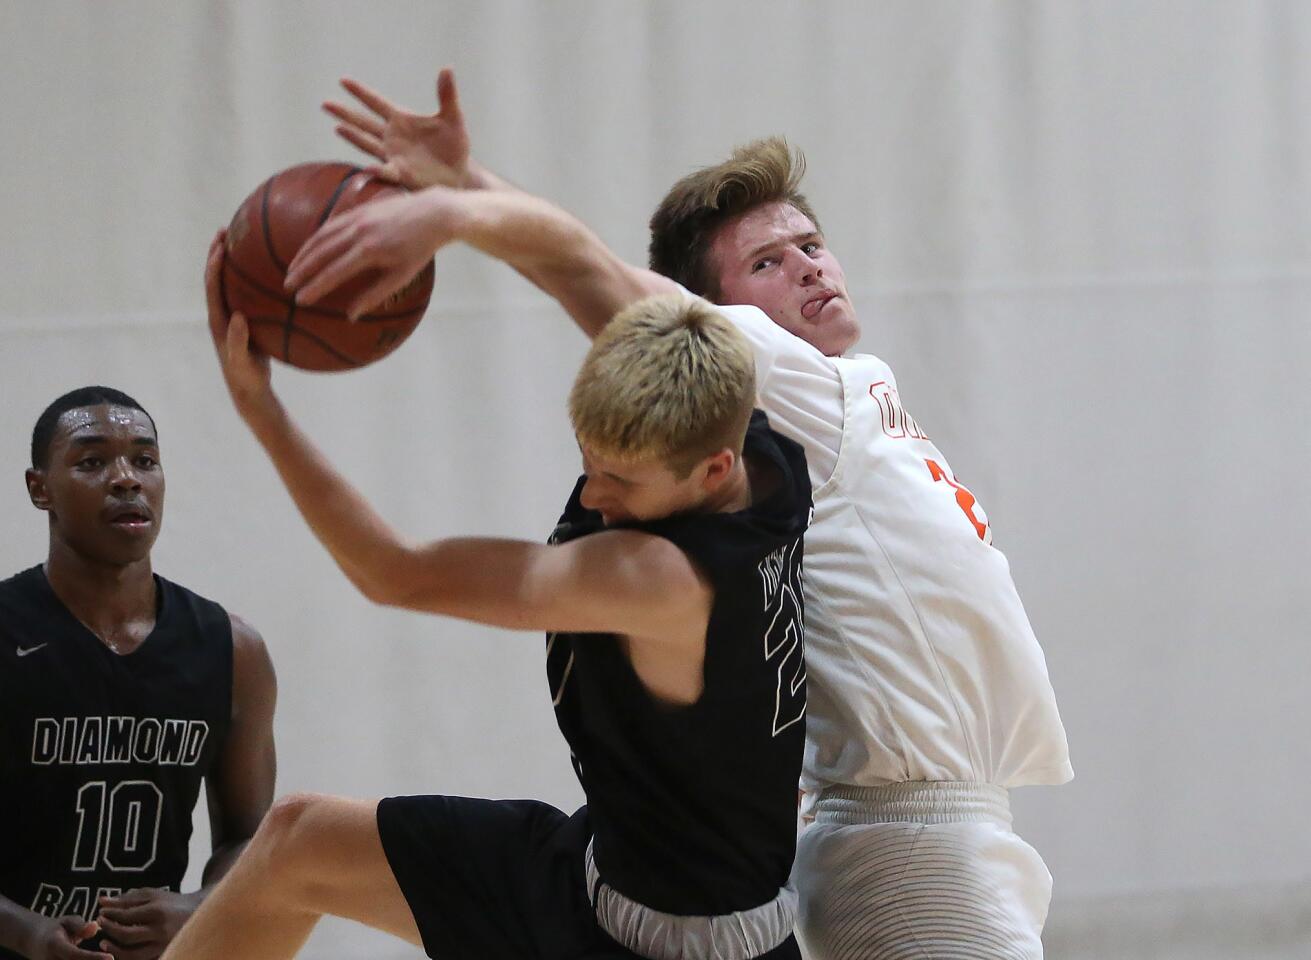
x=922 y=663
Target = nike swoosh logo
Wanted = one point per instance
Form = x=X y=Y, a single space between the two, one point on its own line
x=24 y=651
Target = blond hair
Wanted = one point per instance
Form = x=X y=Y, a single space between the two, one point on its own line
x=684 y=225
x=668 y=378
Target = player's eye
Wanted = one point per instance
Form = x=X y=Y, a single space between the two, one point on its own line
x=761 y=264
x=88 y=463
x=810 y=247
x=146 y=460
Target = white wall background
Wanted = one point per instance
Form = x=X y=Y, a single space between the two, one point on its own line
x=1080 y=232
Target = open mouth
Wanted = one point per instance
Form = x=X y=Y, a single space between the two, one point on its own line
x=130 y=519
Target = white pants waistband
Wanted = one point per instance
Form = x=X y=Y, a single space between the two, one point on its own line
x=915 y=801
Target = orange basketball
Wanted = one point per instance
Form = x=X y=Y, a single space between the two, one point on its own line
x=267 y=230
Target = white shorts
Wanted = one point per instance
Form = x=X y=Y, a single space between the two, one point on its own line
x=919 y=871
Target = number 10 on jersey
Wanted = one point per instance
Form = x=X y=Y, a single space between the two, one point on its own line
x=118 y=827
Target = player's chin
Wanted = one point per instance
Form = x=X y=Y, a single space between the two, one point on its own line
x=840 y=332
x=129 y=545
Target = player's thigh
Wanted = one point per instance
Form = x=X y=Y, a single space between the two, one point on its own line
x=334 y=854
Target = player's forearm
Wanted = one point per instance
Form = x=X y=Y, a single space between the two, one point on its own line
x=555 y=251
x=20 y=928
x=359 y=540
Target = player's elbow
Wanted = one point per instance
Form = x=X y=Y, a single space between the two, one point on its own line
x=387 y=580
x=404 y=586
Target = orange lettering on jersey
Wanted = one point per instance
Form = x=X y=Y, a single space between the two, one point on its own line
x=897 y=423
x=973 y=511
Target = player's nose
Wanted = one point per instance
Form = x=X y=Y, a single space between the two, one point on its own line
x=593 y=495
x=803 y=268
x=122 y=476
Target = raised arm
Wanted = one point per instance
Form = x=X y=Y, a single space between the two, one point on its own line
x=397 y=236
x=550 y=247
x=613 y=582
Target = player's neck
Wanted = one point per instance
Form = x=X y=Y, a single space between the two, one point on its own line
x=104 y=597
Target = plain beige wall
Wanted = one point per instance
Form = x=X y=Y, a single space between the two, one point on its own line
x=1078 y=231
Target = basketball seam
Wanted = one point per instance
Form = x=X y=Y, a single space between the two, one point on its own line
x=336 y=195
x=266 y=228
x=311 y=308
x=343 y=357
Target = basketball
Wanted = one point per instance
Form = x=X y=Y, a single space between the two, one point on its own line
x=265 y=234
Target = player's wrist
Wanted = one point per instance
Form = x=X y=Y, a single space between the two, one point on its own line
x=477 y=177
x=263 y=414
x=33 y=935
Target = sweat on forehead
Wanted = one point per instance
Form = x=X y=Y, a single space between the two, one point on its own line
x=85 y=405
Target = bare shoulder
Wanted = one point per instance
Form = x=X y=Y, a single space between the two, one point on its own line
x=253 y=678
x=247 y=642
x=649 y=558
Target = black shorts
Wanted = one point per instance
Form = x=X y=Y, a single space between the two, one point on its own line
x=499 y=879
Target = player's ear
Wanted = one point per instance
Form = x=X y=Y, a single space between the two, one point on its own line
x=37 y=490
x=716 y=468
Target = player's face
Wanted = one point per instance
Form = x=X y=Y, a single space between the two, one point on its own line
x=622 y=491
x=773 y=258
x=103 y=486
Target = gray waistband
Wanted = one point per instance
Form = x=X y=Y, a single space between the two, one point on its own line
x=672 y=936
x=915 y=801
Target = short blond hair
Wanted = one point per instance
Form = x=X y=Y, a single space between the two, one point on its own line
x=669 y=378
x=699 y=205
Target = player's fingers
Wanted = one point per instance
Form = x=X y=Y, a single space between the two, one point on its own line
x=351 y=263
x=76 y=930
x=448 y=97
x=124 y=933
x=213 y=270
x=385 y=171
x=133 y=911
x=71 y=951
x=369 y=97
x=353 y=118
x=364 y=141
x=79 y=929
x=143 y=951
x=217 y=324
x=376 y=293
x=326 y=244
x=238 y=338
x=136 y=895
x=239 y=329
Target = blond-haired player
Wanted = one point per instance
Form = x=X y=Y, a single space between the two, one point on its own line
x=929 y=694
x=671 y=590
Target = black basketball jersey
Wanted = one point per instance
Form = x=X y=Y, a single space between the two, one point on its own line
x=102 y=755
x=693 y=809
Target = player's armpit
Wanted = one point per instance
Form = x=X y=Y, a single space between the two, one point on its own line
x=616 y=581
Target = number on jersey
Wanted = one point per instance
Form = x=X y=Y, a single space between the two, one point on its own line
x=118 y=827
x=780 y=575
x=965 y=500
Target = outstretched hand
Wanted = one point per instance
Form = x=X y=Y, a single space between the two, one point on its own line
x=415 y=150
x=245 y=370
